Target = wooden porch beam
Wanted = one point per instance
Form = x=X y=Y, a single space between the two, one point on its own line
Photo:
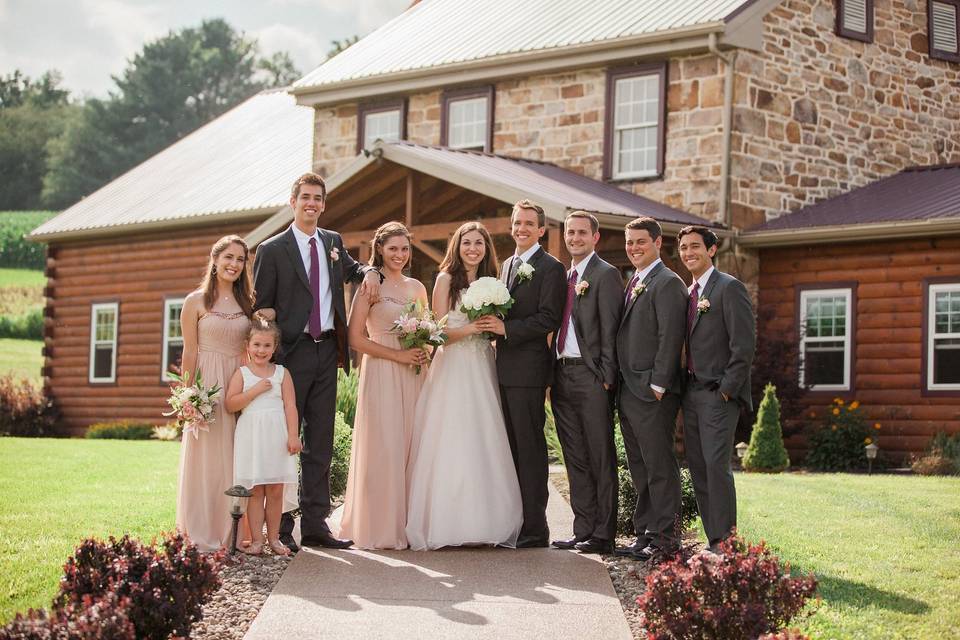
x=431 y=253
x=424 y=232
x=411 y=200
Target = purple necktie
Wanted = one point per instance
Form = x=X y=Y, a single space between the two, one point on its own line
x=316 y=327
x=630 y=286
x=691 y=317
x=567 y=310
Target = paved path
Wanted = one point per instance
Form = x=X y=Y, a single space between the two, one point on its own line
x=452 y=593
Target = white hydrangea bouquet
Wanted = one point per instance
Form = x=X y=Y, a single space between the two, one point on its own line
x=486 y=297
x=192 y=404
x=417 y=327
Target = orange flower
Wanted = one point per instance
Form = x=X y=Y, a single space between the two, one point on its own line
x=854 y=404
x=813 y=414
x=833 y=427
x=867 y=441
x=838 y=400
x=836 y=411
x=876 y=426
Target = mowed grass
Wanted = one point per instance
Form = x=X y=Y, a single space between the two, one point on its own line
x=21 y=358
x=885 y=549
x=56 y=492
x=22 y=278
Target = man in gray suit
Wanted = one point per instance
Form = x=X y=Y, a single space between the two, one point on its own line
x=649 y=346
x=721 y=339
x=584 y=377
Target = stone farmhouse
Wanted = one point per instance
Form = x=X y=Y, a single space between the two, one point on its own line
x=821 y=138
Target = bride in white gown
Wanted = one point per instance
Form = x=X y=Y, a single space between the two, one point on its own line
x=462 y=483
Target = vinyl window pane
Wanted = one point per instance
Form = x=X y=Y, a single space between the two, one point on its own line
x=383 y=125
x=467 y=123
x=946 y=361
x=636 y=119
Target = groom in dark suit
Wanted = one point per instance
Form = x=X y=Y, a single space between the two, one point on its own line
x=584 y=378
x=300 y=273
x=721 y=339
x=649 y=346
x=525 y=361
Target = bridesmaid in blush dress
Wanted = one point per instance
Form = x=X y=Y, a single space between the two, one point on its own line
x=214 y=321
x=375 y=507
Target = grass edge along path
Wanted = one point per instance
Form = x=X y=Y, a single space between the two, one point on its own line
x=55 y=492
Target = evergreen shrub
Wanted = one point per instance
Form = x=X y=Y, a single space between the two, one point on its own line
x=766 y=451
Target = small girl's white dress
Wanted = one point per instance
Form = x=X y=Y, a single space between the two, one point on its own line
x=260 y=445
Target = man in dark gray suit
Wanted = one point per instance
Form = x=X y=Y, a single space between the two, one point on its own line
x=649 y=347
x=721 y=339
x=584 y=377
x=299 y=274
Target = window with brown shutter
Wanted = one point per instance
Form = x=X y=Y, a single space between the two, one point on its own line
x=855 y=19
x=943 y=23
x=466 y=119
x=634 y=122
x=385 y=121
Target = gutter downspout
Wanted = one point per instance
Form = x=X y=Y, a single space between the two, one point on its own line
x=730 y=62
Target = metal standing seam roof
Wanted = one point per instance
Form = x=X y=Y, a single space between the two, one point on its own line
x=243 y=161
x=915 y=194
x=434 y=33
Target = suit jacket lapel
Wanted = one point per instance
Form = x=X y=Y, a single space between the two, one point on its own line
x=707 y=290
x=293 y=252
x=534 y=259
x=587 y=270
x=646 y=281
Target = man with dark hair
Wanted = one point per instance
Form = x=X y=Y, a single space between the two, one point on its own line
x=649 y=346
x=299 y=274
x=721 y=340
x=584 y=377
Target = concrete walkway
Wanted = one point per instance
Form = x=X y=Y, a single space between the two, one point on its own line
x=451 y=593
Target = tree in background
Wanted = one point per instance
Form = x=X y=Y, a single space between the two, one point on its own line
x=766 y=451
x=339 y=46
x=173 y=86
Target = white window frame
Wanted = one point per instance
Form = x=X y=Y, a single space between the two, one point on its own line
x=932 y=336
x=805 y=296
x=618 y=128
x=384 y=116
x=94 y=342
x=452 y=104
x=167 y=340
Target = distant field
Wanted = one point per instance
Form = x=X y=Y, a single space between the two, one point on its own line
x=22 y=278
x=21 y=358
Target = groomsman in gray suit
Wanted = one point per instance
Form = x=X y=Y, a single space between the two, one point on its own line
x=649 y=347
x=585 y=375
x=721 y=339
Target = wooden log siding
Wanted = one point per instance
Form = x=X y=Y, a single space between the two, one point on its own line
x=139 y=272
x=889 y=338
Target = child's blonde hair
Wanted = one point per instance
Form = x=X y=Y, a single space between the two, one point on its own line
x=259 y=324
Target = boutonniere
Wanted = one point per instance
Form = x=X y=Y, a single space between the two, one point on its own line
x=639 y=289
x=703 y=306
x=581 y=288
x=334 y=254
x=524 y=272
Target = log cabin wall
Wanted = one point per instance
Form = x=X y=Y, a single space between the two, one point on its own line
x=139 y=272
x=889 y=281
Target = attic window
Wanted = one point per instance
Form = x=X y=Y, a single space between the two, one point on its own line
x=385 y=121
x=466 y=120
x=944 y=28
x=855 y=19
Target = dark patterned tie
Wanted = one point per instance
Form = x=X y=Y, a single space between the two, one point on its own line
x=567 y=310
x=316 y=327
x=512 y=273
x=691 y=317
x=630 y=285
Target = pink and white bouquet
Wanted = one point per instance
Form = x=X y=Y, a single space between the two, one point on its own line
x=486 y=297
x=417 y=328
x=192 y=404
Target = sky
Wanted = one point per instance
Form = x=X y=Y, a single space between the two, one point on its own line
x=88 y=40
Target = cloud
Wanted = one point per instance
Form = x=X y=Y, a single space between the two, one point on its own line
x=127 y=25
x=303 y=47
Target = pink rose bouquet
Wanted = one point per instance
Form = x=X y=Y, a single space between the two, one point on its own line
x=192 y=404
x=417 y=328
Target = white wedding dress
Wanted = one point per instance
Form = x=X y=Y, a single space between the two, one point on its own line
x=462 y=484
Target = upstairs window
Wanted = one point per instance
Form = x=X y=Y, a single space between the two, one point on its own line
x=103 y=342
x=943 y=337
x=855 y=19
x=383 y=121
x=825 y=339
x=944 y=28
x=467 y=119
x=635 y=116
x=172 y=337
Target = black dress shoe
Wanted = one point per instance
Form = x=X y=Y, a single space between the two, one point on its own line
x=289 y=543
x=594 y=545
x=531 y=542
x=653 y=552
x=629 y=551
x=325 y=540
x=569 y=543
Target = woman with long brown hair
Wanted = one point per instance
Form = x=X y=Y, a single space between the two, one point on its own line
x=214 y=321
x=463 y=487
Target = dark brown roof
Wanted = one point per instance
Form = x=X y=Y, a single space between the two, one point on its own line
x=915 y=194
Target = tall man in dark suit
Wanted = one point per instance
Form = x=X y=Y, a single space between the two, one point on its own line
x=649 y=346
x=583 y=379
x=299 y=273
x=721 y=339
x=525 y=361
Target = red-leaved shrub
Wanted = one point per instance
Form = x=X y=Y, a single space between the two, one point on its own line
x=162 y=586
x=740 y=595
x=104 y=618
x=24 y=411
x=786 y=634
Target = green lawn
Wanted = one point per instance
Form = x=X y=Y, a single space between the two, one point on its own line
x=885 y=549
x=21 y=358
x=22 y=278
x=54 y=493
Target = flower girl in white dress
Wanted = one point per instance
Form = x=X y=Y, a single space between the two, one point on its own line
x=267 y=436
x=463 y=487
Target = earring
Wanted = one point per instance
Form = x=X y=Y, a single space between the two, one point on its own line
x=213 y=270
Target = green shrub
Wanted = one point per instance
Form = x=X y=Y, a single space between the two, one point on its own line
x=26 y=327
x=15 y=250
x=627 y=501
x=24 y=410
x=120 y=430
x=340 y=464
x=347 y=394
x=949 y=445
x=838 y=443
x=554 y=449
x=941 y=458
x=766 y=451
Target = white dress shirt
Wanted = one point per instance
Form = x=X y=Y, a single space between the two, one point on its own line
x=702 y=280
x=640 y=276
x=526 y=255
x=571 y=348
x=326 y=296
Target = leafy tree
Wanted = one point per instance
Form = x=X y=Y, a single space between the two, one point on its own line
x=278 y=69
x=339 y=46
x=766 y=451
x=17 y=90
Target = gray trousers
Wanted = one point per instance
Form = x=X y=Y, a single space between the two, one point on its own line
x=709 y=426
x=584 y=417
x=648 y=429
